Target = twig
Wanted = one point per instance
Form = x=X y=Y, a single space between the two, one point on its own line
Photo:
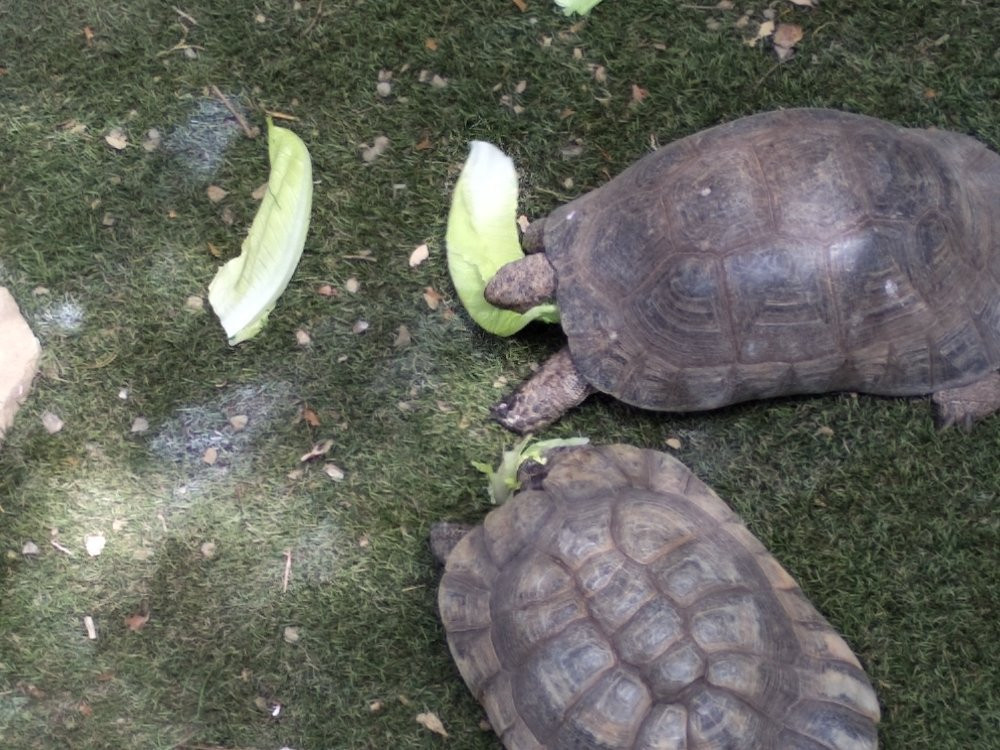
x=61 y=548
x=315 y=18
x=280 y=115
x=186 y=16
x=247 y=131
x=288 y=570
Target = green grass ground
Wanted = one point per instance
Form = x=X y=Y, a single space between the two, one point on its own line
x=891 y=528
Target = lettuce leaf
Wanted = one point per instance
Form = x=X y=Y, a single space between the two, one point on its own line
x=245 y=290
x=503 y=482
x=582 y=7
x=482 y=237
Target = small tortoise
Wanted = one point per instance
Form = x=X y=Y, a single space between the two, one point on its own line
x=791 y=252
x=619 y=603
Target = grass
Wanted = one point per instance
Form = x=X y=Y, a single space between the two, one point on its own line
x=891 y=528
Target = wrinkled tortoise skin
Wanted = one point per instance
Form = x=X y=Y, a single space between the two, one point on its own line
x=798 y=251
x=623 y=605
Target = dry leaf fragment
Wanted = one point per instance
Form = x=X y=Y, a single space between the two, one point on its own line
x=51 y=422
x=438 y=82
x=419 y=255
x=208 y=550
x=136 y=620
x=214 y=250
x=431 y=44
x=403 y=337
x=239 y=422
x=786 y=36
x=360 y=326
x=638 y=93
x=432 y=297
x=84 y=707
x=30 y=549
x=825 y=431
x=311 y=418
x=674 y=443
x=291 y=634
x=521 y=5
x=383 y=88
x=302 y=337
x=88 y=36
x=333 y=471
x=215 y=193
x=318 y=449
x=378 y=147
x=210 y=456
x=352 y=285
x=88 y=624
x=259 y=192
x=805 y=3
x=195 y=303
x=140 y=425
x=375 y=706
x=430 y=721
x=326 y=290
x=116 y=139
x=763 y=32
x=424 y=144
x=152 y=140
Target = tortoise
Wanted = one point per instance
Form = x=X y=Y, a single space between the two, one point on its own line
x=790 y=252
x=617 y=602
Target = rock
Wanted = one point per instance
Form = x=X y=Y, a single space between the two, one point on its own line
x=19 y=353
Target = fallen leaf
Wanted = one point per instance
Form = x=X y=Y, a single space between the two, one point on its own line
x=29 y=549
x=108 y=220
x=375 y=706
x=521 y=5
x=326 y=290
x=824 y=431
x=210 y=456
x=432 y=297
x=430 y=721
x=419 y=255
x=352 y=285
x=259 y=193
x=804 y=3
x=333 y=471
x=208 y=550
x=140 y=424
x=363 y=541
x=438 y=82
x=195 y=303
x=423 y=144
x=383 y=88
x=673 y=442
x=302 y=338
x=291 y=634
x=51 y=422
x=638 y=93
x=88 y=36
x=116 y=139
x=136 y=621
x=786 y=36
x=360 y=326
x=318 y=449
x=214 y=251
x=215 y=193
x=239 y=422
x=84 y=708
x=311 y=417
x=402 y=337
x=431 y=44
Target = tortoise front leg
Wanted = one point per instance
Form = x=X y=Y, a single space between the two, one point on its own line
x=969 y=403
x=539 y=401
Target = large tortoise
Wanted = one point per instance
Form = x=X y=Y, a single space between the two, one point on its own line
x=619 y=603
x=791 y=252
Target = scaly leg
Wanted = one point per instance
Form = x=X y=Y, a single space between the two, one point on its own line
x=969 y=403
x=539 y=401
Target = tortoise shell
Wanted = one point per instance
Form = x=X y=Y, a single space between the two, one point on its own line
x=798 y=251
x=623 y=605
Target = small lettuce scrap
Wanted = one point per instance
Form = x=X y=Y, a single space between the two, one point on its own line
x=482 y=237
x=582 y=7
x=503 y=481
x=245 y=290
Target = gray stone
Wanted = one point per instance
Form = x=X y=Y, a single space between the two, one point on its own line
x=19 y=354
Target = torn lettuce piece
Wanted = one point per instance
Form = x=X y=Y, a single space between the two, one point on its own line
x=245 y=290
x=482 y=237
x=503 y=481
x=582 y=7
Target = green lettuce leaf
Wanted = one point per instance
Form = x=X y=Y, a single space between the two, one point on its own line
x=482 y=237
x=577 y=6
x=503 y=481
x=245 y=290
